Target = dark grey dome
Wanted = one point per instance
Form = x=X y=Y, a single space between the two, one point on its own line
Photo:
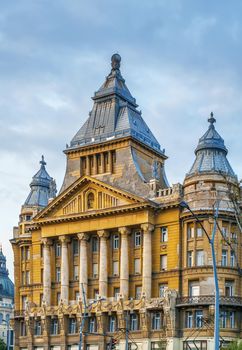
x=6 y=285
x=43 y=188
x=211 y=153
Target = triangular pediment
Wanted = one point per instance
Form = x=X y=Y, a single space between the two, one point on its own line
x=88 y=195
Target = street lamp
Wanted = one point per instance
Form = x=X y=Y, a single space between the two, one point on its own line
x=184 y=204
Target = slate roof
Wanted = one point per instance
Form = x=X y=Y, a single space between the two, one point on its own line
x=114 y=114
x=43 y=188
x=211 y=153
x=6 y=285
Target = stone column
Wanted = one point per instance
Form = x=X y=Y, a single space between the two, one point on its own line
x=124 y=262
x=64 y=269
x=95 y=165
x=103 y=264
x=147 y=259
x=102 y=163
x=47 y=271
x=88 y=166
x=83 y=271
x=110 y=165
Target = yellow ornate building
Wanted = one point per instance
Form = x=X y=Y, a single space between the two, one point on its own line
x=116 y=235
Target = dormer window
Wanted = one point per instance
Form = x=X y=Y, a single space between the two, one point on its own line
x=90 y=200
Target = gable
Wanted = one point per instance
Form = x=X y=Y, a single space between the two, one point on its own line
x=88 y=195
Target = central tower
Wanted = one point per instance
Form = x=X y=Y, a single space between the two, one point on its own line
x=115 y=144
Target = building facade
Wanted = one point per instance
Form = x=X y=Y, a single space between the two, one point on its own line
x=117 y=237
x=6 y=303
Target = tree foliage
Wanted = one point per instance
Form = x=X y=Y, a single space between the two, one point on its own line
x=3 y=346
x=234 y=346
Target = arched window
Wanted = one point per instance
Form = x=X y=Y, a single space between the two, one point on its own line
x=90 y=200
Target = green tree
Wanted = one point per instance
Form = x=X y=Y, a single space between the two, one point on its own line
x=234 y=346
x=3 y=346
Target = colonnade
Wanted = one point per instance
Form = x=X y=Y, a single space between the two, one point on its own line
x=103 y=263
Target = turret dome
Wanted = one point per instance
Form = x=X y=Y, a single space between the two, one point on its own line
x=211 y=154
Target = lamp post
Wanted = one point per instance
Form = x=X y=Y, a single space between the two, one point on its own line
x=184 y=204
x=85 y=316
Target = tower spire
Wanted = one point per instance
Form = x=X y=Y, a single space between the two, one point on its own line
x=211 y=119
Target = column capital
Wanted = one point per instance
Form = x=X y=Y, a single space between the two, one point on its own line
x=124 y=231
x=103 y=233
x=46 y=241
x=146 y=228
x=82 y=236
x=64 y=239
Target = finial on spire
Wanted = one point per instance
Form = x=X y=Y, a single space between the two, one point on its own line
x=42 y=162
x=211 y=120
x=115 y=61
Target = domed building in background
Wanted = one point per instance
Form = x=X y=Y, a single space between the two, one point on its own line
x=116 y=246
x=6 y=301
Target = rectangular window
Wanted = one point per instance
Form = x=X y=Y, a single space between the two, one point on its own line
x=75 y=247
x=190 y=231
x=199 y=232
x=137 y=239
x=92 y=325
x=115 y=268
x=95 y=293
x=199 y=318
x=234 y=238
x=163 y=262
x=41 y=250
x=54 y=326
x=116 y=293
x=189 y=319
x=112 y=324
x=58 y=274
x=134 y=323
x=162 y=288
x=28 y=277
x=94 y=244
x=23 y=277
x=232 y=259
x=76 y=272
x=224 y=261
x=194 y=288
x=232 y=319
x=23 y=329
x=94 y=270
x=24 y=302
x=199 y=257
x=164 y=234
x=22 y=253
x=229 y=288
x=138 y=291
x=72 y=326
x=223 y=319
x=58 y=298
x=57 y=249
x=37 y=328
x=42 y=275
x=189 y=258
x=41 y=296
x=137 y=266
x=115 y=241
x=225 y=231
x=27 y=253
x=77 y=296
x=156 y=320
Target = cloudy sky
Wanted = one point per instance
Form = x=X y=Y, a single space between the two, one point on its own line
x=180 y=58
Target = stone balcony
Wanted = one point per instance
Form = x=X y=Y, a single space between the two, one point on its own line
x=208 y=300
